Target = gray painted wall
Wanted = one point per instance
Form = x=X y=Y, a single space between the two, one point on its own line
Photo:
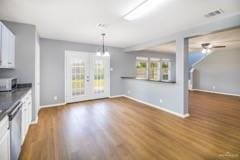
x=123 y=64
x=24 y=55
x=220 y=69
x=52 y=68
x=181 y=87
x=152 y=92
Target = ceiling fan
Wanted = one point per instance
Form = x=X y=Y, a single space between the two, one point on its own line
x=207 y=47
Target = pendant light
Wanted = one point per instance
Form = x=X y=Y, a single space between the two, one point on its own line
x=103 y=51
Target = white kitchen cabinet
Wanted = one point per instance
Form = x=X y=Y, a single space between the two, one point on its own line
x=26 y=113
x=4 y=139
x=7 y=47
x=4 y=47
x=11 y=55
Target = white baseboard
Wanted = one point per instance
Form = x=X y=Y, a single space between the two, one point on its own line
x=35 y=121
x=158 y=107
x=46 y=106
x=53 y=105
x=228 y=94
x=116 y=96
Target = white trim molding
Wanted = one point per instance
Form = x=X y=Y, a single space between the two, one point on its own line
x=215 y=92
x=117 y=96
x=46 y=106
x=35 y=121
x=158 y=107
x=53 y=105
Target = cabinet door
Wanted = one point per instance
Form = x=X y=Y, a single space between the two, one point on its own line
x=1 y=26
x=5 y=146
x=4 y=47
x=29 y=111
x=24 y=120
x=11 y=49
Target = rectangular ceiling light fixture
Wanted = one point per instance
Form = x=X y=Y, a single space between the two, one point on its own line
x=142 y=9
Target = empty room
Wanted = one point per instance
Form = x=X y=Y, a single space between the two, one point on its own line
x=119 y=80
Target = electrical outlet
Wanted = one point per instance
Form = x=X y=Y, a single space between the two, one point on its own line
x=213 y=87
x=128 y=91
x=111 y=69
x=160 y=100
x=55 y=98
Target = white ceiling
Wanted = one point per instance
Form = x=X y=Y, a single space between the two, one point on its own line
x=76 y=20
x=229 y=38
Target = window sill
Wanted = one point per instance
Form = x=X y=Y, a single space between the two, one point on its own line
x=148 y=80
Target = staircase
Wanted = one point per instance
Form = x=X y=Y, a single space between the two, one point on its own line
x=194 y=59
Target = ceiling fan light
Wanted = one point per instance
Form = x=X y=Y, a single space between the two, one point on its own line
x=209 y=50
x=204 y=51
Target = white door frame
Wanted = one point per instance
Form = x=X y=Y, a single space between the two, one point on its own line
x=66 y=75
x=85 y=58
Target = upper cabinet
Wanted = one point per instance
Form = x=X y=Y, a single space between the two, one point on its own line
x=7 y=47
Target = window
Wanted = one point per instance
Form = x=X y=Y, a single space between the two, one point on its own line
x=154 y=69
x=166 y=70
x=142 y=68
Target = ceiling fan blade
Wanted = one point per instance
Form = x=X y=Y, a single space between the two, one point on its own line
x=219 y=47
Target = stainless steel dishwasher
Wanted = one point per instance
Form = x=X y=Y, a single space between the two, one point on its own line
x=15 y=118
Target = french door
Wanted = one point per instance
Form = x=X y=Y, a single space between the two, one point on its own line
x=87 y=76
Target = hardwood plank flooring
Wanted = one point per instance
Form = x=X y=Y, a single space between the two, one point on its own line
x=120 y=128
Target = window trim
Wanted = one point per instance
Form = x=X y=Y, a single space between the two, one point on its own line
x=144 y=59
x=169 y=70
x=156 y=60
x=148 y=61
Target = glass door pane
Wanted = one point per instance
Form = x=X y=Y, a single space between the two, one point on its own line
x=78 y=77
x=99 y=76
x=87 y=76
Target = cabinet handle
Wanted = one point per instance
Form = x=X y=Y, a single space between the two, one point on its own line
x=9 y=63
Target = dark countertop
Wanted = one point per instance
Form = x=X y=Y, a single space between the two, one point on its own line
x=148 y=80
x=8 y=100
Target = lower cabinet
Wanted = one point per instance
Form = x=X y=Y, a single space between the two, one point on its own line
x=5 y=148
x=26 y=114
x=4 y=139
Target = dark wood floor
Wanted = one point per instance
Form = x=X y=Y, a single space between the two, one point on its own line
x=123 y=129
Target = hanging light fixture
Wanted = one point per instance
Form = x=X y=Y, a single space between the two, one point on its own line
x=103 y=51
